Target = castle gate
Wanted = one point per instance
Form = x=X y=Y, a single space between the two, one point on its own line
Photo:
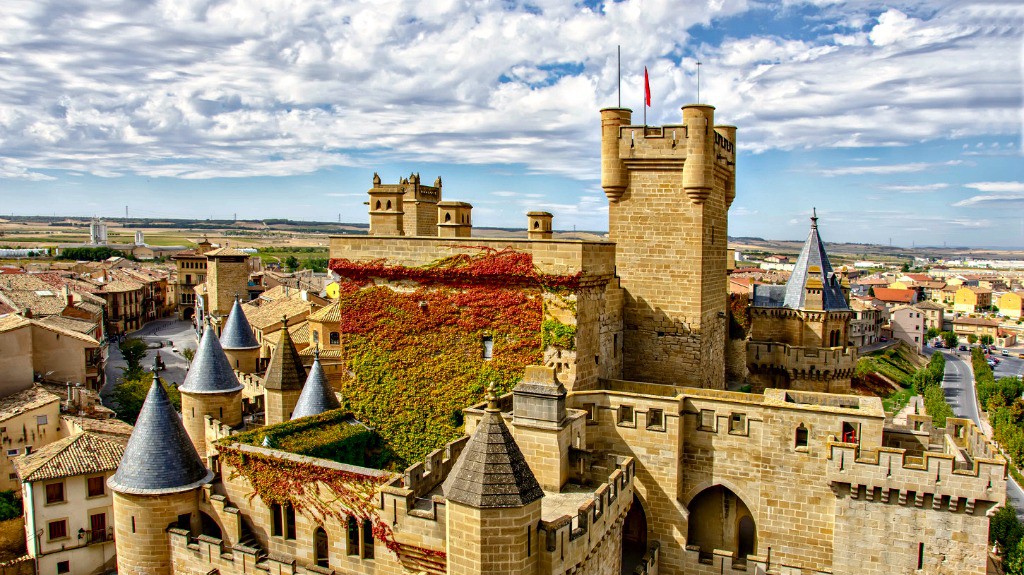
x=634 y=536
x=719 y=519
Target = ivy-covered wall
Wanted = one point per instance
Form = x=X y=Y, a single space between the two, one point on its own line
x=414 y=339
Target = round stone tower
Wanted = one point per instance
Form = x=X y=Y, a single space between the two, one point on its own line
x=156 y=486
x=210 y=388
x=317 y=395
x=239 y=343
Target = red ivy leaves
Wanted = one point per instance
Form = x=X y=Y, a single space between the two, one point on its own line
x=505 y=267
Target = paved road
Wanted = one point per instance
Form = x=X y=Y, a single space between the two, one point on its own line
x=172 y=334
x=958 y=385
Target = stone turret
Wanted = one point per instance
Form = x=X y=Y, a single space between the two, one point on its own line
x=156 y=485
x=284 y=379
x=544 y=430
x=239 y=343
x=538 y=225
x=210 y=388
x=227 y=276
x=454 y=219
x=678 y=179
x=386 y=211
x=317 y=395
x=493 y=503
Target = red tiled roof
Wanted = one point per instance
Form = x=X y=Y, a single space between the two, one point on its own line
x=894 y=295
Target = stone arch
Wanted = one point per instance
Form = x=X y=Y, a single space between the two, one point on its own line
x=720 y=519
x=209 y=526
x=704 y=485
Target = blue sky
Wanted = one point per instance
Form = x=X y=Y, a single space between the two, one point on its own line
x=899 y=121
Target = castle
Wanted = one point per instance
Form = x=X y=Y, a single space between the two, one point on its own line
x=605 y=442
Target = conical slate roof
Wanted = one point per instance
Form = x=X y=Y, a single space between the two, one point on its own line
x=317 y=395
x=210 y=371
x=237 y=333
x=491 y=472
x=285 y=371
x=159 y=457
x=813 y=264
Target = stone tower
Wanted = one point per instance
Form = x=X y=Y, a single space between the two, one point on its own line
x=670 y=189
x=317 y=395
x=210 y=388
x=420 y=204
x=386 y=210
x=454 y=219
x=156 y=486
x=799 y=331
x=239 y=343
x=227 y=278
x=283 y=382
x=494 y=503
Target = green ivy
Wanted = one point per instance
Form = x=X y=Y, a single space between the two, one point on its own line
x=333 y=435
x=557 y=334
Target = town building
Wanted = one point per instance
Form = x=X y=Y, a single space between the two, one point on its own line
x=969 y=299
x=69 y=519
x=934 y=314
x=866 y=324
x=907 y=324
x=1011 y=305
x=966 y=326
x=611 y=444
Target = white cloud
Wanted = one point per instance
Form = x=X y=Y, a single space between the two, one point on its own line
x=917 y=188
x=997 y=186
x=886 y=169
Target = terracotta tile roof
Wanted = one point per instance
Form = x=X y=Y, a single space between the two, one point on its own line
x=324 y=353
x=64 y=331
x=270 y=312
x=329 y=314
x=10 y=322
x=872 y=282
x=121 y=285
x=25 y=401
x=112 y=429
x=894 y=295
x=5 y=309
x=928 y=305
x=919 y=277
x=28 y=291
x=298 y=332
x=226 y=252
x=79 y=454
x=70 y=324
x=976 y=321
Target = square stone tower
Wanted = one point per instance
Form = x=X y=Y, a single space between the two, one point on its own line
x=670 y=189
x=227 y=277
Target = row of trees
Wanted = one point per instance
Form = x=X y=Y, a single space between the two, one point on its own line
x=96 y=254
x=950 y=339
x=928 y=384
x=1006 y=532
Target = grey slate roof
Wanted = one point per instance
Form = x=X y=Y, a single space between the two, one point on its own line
x=210 y=371
x=491 y=472
x=159 y=457
x=237 y=333
x=317 y=395
x=285 y=370
x=793 y=295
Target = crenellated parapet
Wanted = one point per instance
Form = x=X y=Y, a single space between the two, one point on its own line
x=569 y=541
x=965 y=473
x=801 y=363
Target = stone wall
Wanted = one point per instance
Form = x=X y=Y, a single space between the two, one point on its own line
x=140 y=527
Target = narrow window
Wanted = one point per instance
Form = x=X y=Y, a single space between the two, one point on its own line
x=276 y=529
x=625 y=415
x=133 y=524
x=222 y=414
x=920 y=556
x=591 y=410
x=335 y=338
x=289 y=520
x=849 y=433
x=615 y=345
x=353 y=536
x=378 y=205
x=655 y=418
x=529 y=541
x=488 y=347
x=801 y=436
x=737 y=423
x=367 y=539
x=321 y=547
x=63 y=567
x=389 y=205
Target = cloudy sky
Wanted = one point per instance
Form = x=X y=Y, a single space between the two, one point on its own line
x=900 y=121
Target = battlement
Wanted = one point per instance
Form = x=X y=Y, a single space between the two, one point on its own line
x=569 y=540
x=802 y=362
x=412 y=187
x=968 y=470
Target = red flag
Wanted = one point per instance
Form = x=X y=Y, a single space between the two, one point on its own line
x=647 y=88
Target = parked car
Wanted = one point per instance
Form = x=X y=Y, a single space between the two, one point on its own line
x=991 y=363
x=963 y=348
x=1004 y=353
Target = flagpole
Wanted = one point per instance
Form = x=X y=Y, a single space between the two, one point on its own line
x=620 y=75
x=698 y=81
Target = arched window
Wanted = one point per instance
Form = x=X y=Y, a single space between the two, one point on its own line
x=389 y=204
x=801 y=436
x=321 y=547
x=378 y=205
x=536 y=225
x=367 y=539
x=447 y=217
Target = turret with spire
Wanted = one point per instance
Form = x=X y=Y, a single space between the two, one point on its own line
x=493 y=501
x=210 y=388
x=317 y=395
x=283 y=381
x=239 y=343
x=156 y=485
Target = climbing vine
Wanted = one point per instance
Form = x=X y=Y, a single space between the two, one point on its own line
x=420 y=353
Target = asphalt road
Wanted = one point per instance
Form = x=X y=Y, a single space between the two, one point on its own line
x=958 y=385
x=169 y=332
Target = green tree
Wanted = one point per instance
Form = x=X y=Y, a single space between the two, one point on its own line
x=189 y=354
x=932 y=333
x=133 y=350
x=987 y=340
x=950 y=339
x=972 y=339
x=871 y=291
x=291 y=263
x=130 y=394
x=10 y=504
x=906 y=267
x=318 y=265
